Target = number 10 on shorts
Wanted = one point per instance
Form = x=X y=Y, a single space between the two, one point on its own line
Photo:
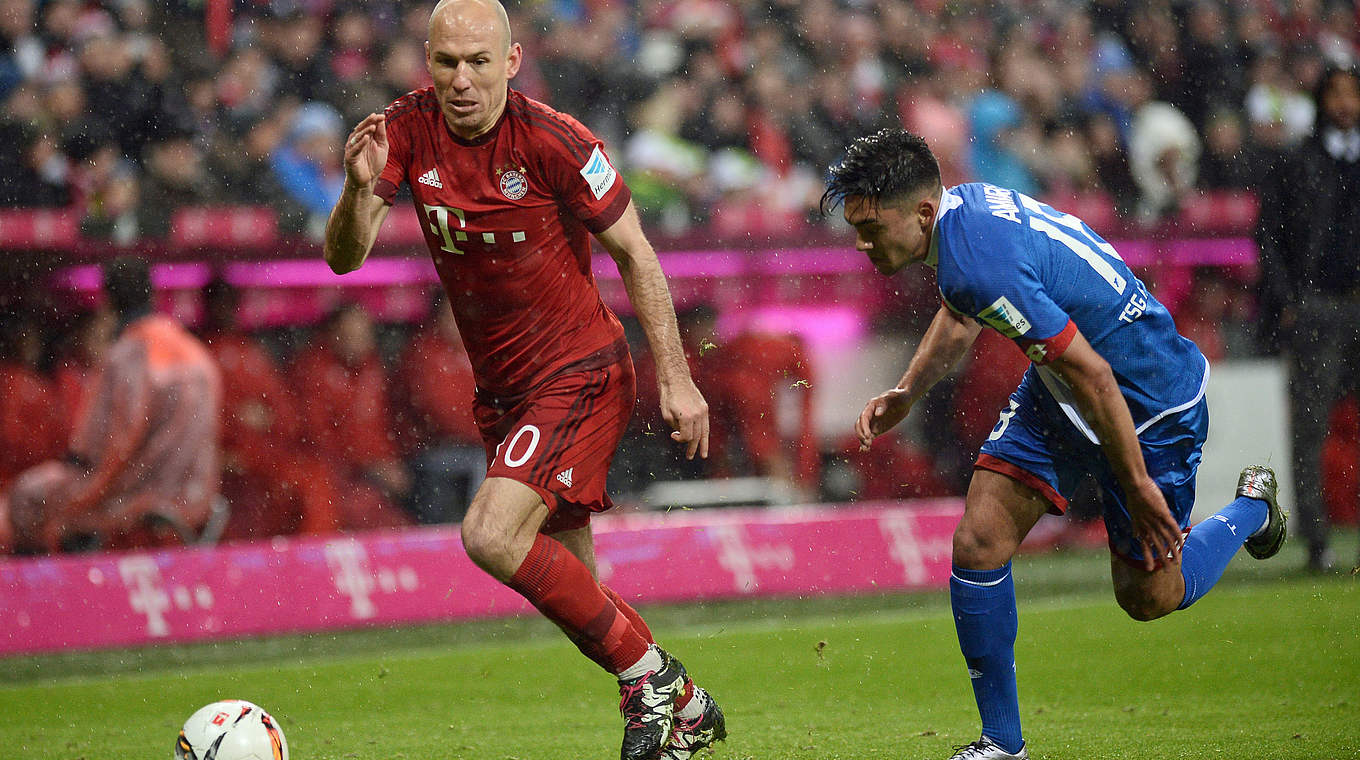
x=516 y=444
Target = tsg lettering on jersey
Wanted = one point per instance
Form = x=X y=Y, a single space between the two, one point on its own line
x=439 y=225
x=1135 y=307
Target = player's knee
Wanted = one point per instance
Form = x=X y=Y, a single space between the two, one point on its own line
x=978 y=549
x=488 y=547
x=1144 y=607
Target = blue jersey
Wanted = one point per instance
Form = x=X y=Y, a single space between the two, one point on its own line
x=1038 y=276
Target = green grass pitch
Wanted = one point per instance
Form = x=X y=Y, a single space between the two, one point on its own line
x=1265 y=666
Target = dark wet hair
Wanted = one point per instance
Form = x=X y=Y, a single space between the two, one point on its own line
x=887 y=165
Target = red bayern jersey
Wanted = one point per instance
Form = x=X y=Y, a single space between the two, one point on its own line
x=507 y=218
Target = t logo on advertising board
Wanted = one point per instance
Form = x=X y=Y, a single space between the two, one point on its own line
x=909 y=551
x=150 y=594
x=350 y=574
x=743 y=561
x=145 y=594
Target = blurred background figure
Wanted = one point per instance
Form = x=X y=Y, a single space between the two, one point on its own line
x=1309 y=233
x=142 y=468
x=441 y=441
x=1163 y=149
x=32 y=428
x=307 y=163
x=273 y=484
x=343 y=397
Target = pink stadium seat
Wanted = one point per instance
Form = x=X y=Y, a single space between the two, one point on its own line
x=39 y=228
x=1218 y=213
x=1095 y=208
x=221 y=226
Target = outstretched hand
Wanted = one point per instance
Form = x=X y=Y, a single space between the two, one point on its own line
x=366 y=150
x=880 y=415
x=685 y=410
x=1156 y=529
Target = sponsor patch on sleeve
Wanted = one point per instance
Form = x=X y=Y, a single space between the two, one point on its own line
x=1007 y=319
x=599 y=174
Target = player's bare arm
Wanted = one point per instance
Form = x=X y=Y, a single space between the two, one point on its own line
x=681 y=403
x=946 y=341
x=354 y=222
x=1103 y=406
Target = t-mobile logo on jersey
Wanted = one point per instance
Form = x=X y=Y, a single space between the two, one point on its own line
x=440 y=225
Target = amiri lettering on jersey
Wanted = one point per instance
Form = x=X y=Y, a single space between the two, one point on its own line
x=1001 y=203
x=599 y=174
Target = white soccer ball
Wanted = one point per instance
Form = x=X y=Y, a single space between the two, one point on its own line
x=232 y=729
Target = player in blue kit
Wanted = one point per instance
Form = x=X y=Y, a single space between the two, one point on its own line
x=1113 y=390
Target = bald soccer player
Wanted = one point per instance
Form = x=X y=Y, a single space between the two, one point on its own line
x=510 y=193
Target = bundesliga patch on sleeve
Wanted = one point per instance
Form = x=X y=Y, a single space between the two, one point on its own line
x=599 y=174
x=1007 y=319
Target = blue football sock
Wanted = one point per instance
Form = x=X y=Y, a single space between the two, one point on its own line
x=1211 y=545
x=984 y=616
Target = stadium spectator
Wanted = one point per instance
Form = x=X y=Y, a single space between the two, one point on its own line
x=21 y=51
x=767 y=387
x=305 y=162
x=1229 y=161
x=111 y=191
x=142 y=468
x=512 y=191
x=646 y=449
x=342 y=394
x=1006 y=144
x=1310 y=290
x=31 y=424
x=175 y=176
x=37 y=173
x=436 y=389
x=1274 y=98
x=1213 y=78
x=79 y=351
x=1163 y=149
x=134 y=62
x=272 y=484
x=1111 y=164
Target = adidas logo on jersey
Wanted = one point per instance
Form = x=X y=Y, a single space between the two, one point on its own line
x=565 y=477
x=430 y=178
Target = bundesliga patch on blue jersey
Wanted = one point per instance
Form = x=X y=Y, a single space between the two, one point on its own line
x=1038 y=276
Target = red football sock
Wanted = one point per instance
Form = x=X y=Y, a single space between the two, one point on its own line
x=562 y=588
x=640 y=626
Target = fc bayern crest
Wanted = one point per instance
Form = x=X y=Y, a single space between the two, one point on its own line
x=514 y=185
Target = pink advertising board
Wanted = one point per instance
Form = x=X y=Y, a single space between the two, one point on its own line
x=420 y=575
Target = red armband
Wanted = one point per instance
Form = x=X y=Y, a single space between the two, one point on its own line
x=1046 y=350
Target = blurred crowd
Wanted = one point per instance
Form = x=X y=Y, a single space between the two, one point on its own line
x=723 y=113
x=352 y=423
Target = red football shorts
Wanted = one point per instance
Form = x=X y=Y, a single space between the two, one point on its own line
x=560 y=439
